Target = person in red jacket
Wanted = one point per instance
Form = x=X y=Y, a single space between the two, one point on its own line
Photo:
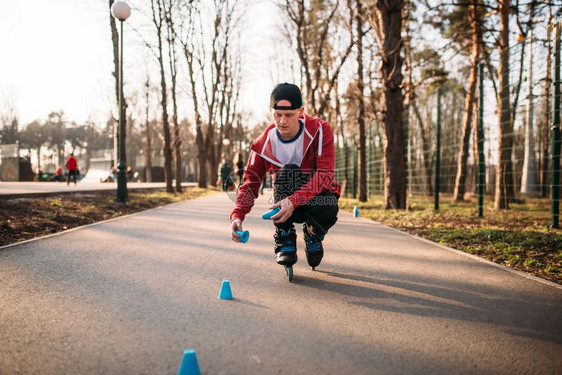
x=71 y=166
x=298 y=151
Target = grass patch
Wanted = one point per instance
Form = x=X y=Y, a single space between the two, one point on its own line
x=27 y=218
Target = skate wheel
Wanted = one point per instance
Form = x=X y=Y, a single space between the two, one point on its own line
x=289 y=271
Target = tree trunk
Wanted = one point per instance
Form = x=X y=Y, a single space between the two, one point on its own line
x=426 y=151
x=469 y=105
x=177 y=150
x=172 y=60
x=148 y=153
x=528 y=177
x=361 y=106
x=177 y=133
x=201 y=158
x=475 y=146
x=212 y=162
x=546 y=111
x=390 y=16
x=158 y=22
x=188 y=51
x=504 y=176
x=39 y=157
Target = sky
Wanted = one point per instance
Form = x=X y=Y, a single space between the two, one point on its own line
x=57 y=55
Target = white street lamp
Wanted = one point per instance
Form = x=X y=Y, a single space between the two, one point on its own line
x=121 y=11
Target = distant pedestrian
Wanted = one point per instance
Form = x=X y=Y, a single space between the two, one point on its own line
x=226 y=178
x=58 y=173
x=240 y=168
x=71 y=166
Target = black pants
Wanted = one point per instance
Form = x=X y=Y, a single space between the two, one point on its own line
x=321 y=212
x=71 y=173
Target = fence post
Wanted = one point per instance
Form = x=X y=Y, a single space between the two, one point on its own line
x=555 y=179
x=406 y=145
x=480 y=133
x=346 y=167
x=369 y=161
x=355 y=172
x=438 y=149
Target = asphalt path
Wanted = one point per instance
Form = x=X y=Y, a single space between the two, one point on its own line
x=31 y=189
x=129 y=295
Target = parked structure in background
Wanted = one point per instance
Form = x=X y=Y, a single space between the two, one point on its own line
x=13 y=167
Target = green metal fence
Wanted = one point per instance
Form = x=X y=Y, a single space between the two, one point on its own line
x=434 y=125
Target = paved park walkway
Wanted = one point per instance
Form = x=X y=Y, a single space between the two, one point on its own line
x=37 y=189
x=129 y=295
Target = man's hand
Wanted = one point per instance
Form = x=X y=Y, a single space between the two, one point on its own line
x=287 y=209
x=235 y=224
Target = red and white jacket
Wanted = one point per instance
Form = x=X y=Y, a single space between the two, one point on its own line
x=318 y=160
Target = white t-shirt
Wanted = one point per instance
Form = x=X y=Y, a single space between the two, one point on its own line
x=290 y=151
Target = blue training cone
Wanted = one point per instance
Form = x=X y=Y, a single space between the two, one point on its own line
x=355 y=211
x=244 y=235
x=269 y=214
x=225 y=292
x=189 y=364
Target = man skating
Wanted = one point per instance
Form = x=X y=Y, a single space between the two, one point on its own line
x=298 y=151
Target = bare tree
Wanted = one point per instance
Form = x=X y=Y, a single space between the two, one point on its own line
x=385 y=18
x=314 y=28
x=504 y=175
x=216 y=94
x=33 y=136
x=214 y=79
x=148 y=133
x=190 y=50
x=9 y=120
x=359 y=21
x=171 y=34
x=56 y=133
x=545 y=120
x=475 y=14
x=158 y=19
x=228 y=100
x=423 y=69
x=528 y=178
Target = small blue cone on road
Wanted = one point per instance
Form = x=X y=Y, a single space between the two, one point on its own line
x=355 y=211
x=189 y=364
x=225 y=292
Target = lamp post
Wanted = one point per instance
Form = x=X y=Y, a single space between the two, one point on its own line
x=121 y=11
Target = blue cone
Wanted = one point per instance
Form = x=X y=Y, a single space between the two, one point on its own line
x=189 y=364
x=244 y=235
x=225 y=292
x=269 y=214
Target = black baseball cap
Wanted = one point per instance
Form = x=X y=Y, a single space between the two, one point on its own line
x=286 y=91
